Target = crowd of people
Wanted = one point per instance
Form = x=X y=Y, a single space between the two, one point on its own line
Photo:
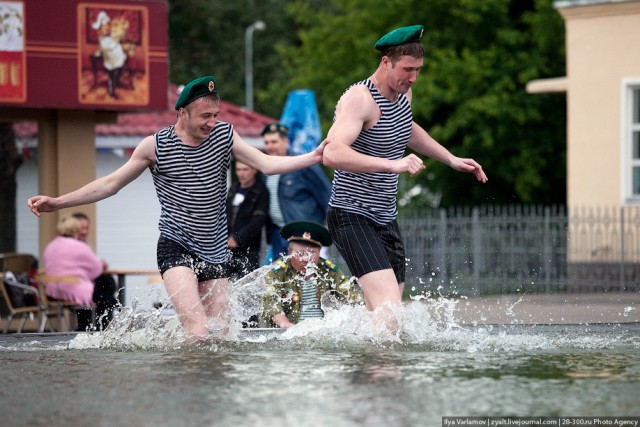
x=209 y=234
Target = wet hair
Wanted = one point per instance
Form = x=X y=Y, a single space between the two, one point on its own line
x=394 y=53
x=212 y=98
x=69 y=226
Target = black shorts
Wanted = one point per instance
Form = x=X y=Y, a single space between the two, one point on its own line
x=172 y=254
x=365 y=245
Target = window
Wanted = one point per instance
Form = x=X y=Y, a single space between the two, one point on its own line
x=631 y=129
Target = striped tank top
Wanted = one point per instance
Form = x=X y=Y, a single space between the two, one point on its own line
x=191 y=183
x=373 y=195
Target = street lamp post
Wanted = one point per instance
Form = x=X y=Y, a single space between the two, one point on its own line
x=248 y=70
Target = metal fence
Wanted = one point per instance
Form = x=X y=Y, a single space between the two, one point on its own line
x=512 y=249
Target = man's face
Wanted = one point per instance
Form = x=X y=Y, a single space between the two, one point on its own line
x=404 y=73
x=303 y=256
x=84 y=229
x=246 y=174
x=200 y=117
x=275 y=144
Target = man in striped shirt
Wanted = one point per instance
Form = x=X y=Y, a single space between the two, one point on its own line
x=373 y=125
x=189 y=162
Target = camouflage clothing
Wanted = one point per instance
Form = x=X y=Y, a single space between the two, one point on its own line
x=284 y=289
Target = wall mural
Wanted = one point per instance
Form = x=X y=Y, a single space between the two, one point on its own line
x=113 y=62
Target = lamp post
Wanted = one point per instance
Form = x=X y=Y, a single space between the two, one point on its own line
x=248 y=69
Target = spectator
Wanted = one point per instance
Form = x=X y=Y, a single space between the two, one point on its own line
x=302 y=195
x=105 y=285
x=247 y=207
x=67 y=255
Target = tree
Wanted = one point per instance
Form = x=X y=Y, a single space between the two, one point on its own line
x=207 y=37
x=471 y=96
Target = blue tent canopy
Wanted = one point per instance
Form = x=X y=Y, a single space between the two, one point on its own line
x=300 y=116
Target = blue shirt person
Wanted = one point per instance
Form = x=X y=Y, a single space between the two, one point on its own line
x=302 y=195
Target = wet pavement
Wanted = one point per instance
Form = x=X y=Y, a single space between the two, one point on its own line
x=550 y=309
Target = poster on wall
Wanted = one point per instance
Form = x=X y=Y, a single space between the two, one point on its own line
x=113 y=54
x=12 y=55
x=99 y=55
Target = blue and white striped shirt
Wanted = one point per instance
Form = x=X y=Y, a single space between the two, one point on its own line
x=191 y=183
x=373 y=195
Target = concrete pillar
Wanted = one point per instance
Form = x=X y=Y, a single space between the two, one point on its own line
x=67 y=161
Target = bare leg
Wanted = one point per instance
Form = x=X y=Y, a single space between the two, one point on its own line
x=182 y=286
x=381 y=289
x=215 y=295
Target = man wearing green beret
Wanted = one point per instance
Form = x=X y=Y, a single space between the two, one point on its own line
x=372 y=128
x=189 y=162
x=297 y=284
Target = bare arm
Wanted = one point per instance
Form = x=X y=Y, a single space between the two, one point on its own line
x=356 y=111
x=421 y=142
x=271 y=165
x=143 y=157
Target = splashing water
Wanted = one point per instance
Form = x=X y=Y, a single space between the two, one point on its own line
x=425 y=323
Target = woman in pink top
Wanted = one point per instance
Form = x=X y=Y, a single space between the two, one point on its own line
x=67 y=256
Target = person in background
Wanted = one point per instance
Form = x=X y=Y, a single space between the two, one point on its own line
x=189 y=162
x=373 y=126
x=104 y=291
x=247 y=207
x=67 y=255
x=297 y=283
x=301 y=195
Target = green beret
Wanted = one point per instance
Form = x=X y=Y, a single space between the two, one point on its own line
x=196 y=89
x=400 y=36
x=275 y=127
x=306 y=232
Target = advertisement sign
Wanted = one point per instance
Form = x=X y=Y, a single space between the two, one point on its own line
x=12 y=57
x=72 y=54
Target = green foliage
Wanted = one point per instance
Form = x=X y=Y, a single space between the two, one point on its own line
x=208 y=37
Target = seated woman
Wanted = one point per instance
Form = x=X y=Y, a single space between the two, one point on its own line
x=66 y=255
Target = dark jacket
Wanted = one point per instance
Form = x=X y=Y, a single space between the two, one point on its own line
x=304 y=195
x=246 y=225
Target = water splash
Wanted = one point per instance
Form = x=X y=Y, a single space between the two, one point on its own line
x=426 y=324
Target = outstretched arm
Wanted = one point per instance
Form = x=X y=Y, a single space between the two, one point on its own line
x=143 y=157
x=271 y=165
x=421 y=142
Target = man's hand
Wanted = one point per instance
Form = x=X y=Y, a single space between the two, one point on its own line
x=411 y=164
x=39 y=204
x=469 y=165
x=281 y=320
x=319 y=150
